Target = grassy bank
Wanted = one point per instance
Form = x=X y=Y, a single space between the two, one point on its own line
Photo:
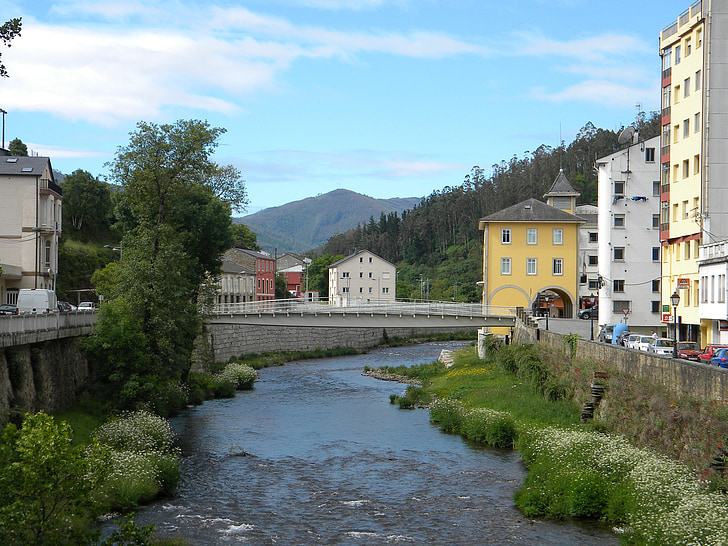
x=622 y=468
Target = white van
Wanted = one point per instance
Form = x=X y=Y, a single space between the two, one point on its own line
x=37 y=300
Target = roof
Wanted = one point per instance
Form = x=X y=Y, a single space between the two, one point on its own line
x=24 y=166
x=258 y=255
x=232 y=268
x=590 y=213
x=350 y=256
x=562 y=186
x=531 y=210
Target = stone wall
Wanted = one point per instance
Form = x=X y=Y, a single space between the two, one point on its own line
x=228 y=340
x=41 y=376
x=678 y=376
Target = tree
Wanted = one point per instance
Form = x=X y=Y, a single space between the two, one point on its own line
x=242 y=237
x=16 y=147
x=87 y=205
x=281 y=287
x=46 y=483
x=9 y=30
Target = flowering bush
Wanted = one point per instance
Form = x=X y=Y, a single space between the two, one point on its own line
x=495 y=428
x=447 y=413
x=139 y=431
x=241 y=376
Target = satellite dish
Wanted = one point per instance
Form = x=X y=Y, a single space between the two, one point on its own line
x=626 y=135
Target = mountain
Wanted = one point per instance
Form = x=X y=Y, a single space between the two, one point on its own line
x=302 y=225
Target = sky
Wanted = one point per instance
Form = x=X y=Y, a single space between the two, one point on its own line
x=388 y=98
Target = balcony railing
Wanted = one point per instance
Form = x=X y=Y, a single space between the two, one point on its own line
x=714 y=250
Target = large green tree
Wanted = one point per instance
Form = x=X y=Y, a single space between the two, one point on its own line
x=9 y=30
x=174 y=208
x=18 y=148
x=87 y=207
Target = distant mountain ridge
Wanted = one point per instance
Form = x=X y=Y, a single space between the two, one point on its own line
x=302 y=225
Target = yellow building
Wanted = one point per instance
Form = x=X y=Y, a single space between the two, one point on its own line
x=694 y=169
x=530 y=254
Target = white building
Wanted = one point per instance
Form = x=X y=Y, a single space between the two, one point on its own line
x=712 y=272
x=629 y=235
x=30 y=225
x=362 y=277
x=588 y=256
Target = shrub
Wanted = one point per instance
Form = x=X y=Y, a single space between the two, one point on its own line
x=241 y=376
x=139 y=431
x=413 y=396
x=495 y=428
x=447 y=413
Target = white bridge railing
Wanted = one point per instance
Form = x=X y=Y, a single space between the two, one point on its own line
x=428 y=308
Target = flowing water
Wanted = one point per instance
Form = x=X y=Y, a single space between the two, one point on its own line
x=316 y=454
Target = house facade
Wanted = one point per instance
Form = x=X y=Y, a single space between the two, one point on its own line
x=530 y=257
x=237 y=283
x=694 y=157
x=588 y=256
x=293 y=268
x=30 y=225
x=362 y=277
x=629 y=229
x=713 y=271
x=261 y=264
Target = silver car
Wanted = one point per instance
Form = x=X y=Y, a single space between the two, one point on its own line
x=662 y=346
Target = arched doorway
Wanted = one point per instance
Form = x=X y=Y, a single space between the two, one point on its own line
x=554 y=302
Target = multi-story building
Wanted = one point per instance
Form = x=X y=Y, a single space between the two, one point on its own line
x=262 y=265
x=362 y=277
x=530 y=253
x=694 y=155
x=629 y=227
x=713 y=270
x=293 y=268
x=237 y=283
x=588 y=256
x=30 y=225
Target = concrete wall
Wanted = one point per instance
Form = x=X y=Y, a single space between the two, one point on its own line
x=678 y=376
x=228 y=340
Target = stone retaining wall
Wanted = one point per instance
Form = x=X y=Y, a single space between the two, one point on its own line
x=678 y=376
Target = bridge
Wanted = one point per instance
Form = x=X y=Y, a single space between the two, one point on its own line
x=428 y=314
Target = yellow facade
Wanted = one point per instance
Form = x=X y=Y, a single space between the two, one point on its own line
x=523 y=258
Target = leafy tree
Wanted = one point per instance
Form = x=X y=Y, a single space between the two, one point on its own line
x=242 y=237
x=281 y=288
x=318 y=274
x=9 y=30
x=87 y=206
x=18 y=148
x=46 y=483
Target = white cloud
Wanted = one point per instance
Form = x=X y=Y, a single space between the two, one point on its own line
x=598 y=91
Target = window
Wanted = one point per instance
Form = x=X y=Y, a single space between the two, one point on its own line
x=532 y=236
x=655 y=285
x=696 y=122
x=676 y=172
x=699 y=38
x=361 y=274
x=696 y=164
x=686 y=87
x=618 y=187
x=687 y=251
x=361 y=289
x=505 y=266
x=593 y=284
x=593 y=260
x=370 y=274
x=361 y=260
x=685 y=212
x=675 y=212
x=618 y=253
x=665 y=212
x=655 y=253
x=385 y=290
x=558 y=236
x=370 y=260
x=677 y=54
x=47 y=253
x=505 y=236
x=345 y=275
x=345 y=289
x=593 y=237
x=619 y=221
x=618 y=285
x=698 y=80
x=655 y=221
x=688 y=46
x=649 y=155
x=530 y=266
x=677 y=133
x=686 y=128
x=686 y=168
x=677 y=94
x=370 y=289
x=656 y=308
x=558 y=266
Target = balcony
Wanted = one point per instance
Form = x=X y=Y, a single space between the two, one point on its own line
x=713 y=251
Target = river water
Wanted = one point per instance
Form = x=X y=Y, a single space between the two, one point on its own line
x=316 y=454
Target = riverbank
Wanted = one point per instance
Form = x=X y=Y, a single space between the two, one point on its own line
x=532 y=399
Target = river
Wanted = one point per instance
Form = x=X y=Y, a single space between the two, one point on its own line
x=316 y=454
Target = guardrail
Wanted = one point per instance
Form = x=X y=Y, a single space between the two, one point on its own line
x=29 y=328
x=428 y=308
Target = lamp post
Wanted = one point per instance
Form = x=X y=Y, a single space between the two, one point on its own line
x=119 y=249
x=674 y=300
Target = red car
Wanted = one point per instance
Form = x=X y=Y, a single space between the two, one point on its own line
x=689 y=350
x=708 y=353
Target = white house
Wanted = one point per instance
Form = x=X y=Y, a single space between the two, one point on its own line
x=30 y=225
x=588 y=256
x=713 y=309
x=362 y=277
x=629 y=235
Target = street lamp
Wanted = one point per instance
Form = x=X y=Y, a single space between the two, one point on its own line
x=119 y=249
x=675 y=301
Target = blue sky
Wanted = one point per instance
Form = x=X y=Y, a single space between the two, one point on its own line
x=389 y=98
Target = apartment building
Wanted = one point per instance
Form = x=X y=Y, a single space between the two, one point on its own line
x=629 y=228
x=362 y=277
x=694 y=155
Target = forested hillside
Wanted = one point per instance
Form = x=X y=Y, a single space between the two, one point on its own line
x=438 y=241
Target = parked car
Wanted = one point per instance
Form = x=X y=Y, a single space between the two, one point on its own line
x=688 y=350
x=661 y=346
x=709 y=352
x=632 y=341
x=86 y=306
x=37 y=300
x=643 y=343
x=605 y=334
x=720 y=358
x=7 y=309
x=623 y=337
x=64 y=306
x=586 y=314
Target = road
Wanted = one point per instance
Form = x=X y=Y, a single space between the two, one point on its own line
x=572 y=326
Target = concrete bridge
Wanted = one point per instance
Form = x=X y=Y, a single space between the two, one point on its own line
x=295 y=313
